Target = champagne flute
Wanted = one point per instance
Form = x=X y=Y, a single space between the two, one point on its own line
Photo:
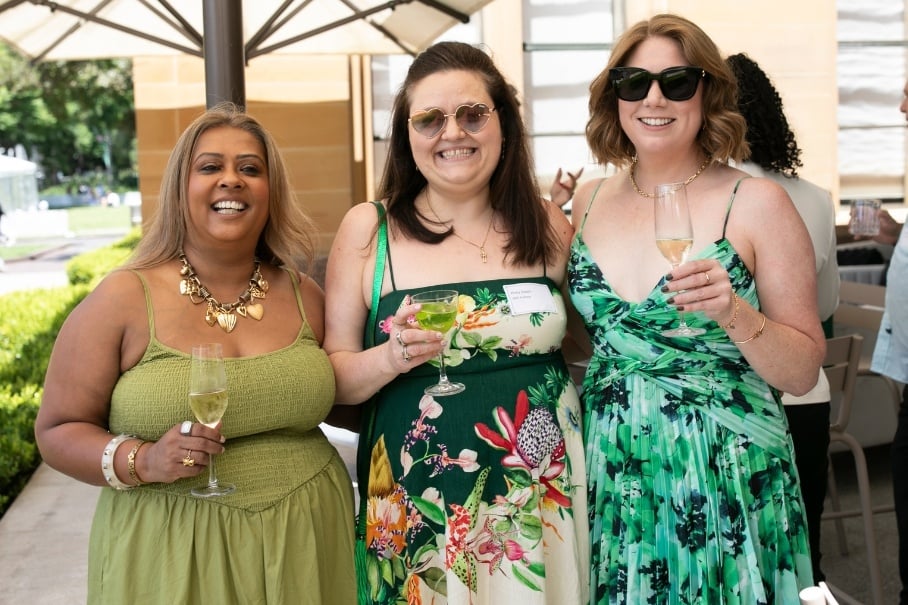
x=208 y=400
x=439 y=308
x=674 y=237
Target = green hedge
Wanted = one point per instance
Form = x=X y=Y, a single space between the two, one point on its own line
x=29 y=323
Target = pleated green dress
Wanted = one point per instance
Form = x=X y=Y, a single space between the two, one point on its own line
x=284 y=536
x=478 y=497
x=693 y=490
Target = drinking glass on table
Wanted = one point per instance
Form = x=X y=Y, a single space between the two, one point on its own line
x=674 y=237
x=439 y=309
x=208 y=400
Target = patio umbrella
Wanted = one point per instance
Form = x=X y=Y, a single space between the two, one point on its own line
x=226 y=33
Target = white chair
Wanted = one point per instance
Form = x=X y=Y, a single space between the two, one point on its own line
x=843 y=354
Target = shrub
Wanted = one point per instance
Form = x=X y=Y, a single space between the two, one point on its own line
x=29 y=324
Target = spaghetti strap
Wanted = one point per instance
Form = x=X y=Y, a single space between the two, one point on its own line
x=731 y=201
x=589 y=205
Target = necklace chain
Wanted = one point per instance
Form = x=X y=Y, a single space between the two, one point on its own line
x=689 y=180
x=482 y=247
x=221 y=313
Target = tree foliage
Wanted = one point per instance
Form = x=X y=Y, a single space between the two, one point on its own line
x=74 y=118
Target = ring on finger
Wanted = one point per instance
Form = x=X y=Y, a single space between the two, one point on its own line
x=188 y=460
x=708 y=280
x=405 y=354
x=400 y=340
x=186 y=428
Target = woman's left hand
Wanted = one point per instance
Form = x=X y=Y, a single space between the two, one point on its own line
x=702 y=286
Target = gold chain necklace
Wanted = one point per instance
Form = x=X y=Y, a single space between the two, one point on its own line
x=482 y=247
x=689 y=180
x=223 y=314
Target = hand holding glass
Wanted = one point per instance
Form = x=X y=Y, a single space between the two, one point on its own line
x=208 y=400
x=674 y=237
x=439 y=309
x=865 y=218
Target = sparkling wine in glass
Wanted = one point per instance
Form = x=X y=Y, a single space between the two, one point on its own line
x=674 y=237
x=439 y=308
x=208 y=400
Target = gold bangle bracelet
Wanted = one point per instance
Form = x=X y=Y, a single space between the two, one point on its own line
x=131 y=463
x=755 y=334
x=731 y=324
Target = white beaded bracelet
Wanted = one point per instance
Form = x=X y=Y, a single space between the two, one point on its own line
x=107 y=462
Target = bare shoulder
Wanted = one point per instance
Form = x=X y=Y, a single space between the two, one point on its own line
x=358 y=225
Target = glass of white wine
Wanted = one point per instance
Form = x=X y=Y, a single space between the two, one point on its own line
x=439 y=309
x=674 y=237
x=208 y=400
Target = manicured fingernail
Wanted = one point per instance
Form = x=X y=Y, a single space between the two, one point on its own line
x=223 y=439
x=668 y=277
x=671 y=300
x=664 y=288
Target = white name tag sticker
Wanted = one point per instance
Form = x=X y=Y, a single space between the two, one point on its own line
x=530 y=298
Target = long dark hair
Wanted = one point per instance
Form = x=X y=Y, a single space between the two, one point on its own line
x=773 y=145
x=513 y=190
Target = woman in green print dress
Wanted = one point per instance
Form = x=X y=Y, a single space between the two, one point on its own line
x=693 y=491
x=476 y=497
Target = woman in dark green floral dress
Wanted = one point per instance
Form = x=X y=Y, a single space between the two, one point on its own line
x=474 y=498
x=693 y=491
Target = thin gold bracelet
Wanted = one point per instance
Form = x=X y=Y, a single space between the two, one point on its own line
x=755 y=334
x=731 y=324
x=131 y=463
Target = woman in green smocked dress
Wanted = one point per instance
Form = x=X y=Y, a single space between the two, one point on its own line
x=476 y=497
x=216 y=264
x=693 y=491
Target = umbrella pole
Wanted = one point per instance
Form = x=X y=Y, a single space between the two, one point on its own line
x=224 y=53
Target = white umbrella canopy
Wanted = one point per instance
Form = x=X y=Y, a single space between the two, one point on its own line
x=226 y=33
x=95 y=29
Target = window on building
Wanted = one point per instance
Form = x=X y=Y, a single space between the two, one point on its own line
x=871 y=75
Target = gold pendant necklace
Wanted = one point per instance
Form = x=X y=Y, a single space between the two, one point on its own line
x=482 y=247
x=223 y=314
x=689 y=180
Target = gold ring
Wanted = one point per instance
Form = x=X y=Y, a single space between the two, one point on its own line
x=707 y=278
x=405 y=354
x=188 y=460
x=400 y=340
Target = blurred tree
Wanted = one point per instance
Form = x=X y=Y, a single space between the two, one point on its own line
x=74 y=118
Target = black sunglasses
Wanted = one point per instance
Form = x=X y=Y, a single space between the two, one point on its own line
x=471 y=118
x=676 y=83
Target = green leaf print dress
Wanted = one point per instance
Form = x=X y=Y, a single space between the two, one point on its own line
x=477 y=498
x=693 y=491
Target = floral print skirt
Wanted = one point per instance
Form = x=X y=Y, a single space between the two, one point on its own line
x=478 y=497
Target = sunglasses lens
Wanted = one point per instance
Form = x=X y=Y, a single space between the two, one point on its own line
x=428 y=123
x=472 y=117
x=679 y=84
x=632 y=85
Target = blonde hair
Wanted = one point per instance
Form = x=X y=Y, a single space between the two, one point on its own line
x=722 y=135
x=289 y=235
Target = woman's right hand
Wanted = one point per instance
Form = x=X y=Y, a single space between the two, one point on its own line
x=409 y=345
x=166 y=460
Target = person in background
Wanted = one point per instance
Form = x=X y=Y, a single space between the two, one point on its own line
x=693 y=489
x=890 y=358
x=476 y=497
x=775 y=155
x=218 y=263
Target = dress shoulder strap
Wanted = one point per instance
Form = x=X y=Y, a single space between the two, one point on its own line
x=148 y=308
x=731 y=201
x=589 y=205
x=381 y=254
